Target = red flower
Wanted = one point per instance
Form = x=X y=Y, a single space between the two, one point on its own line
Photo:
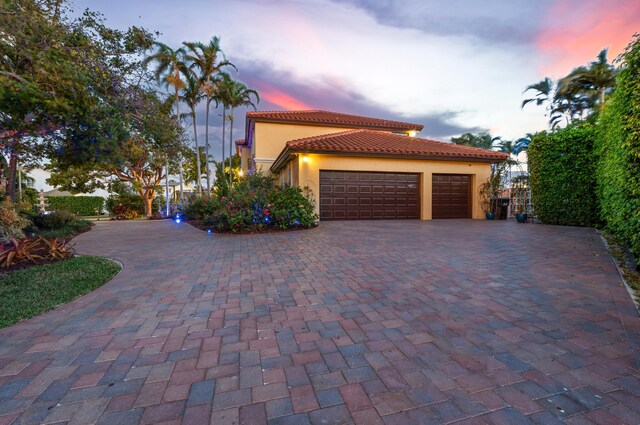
x=265 y=212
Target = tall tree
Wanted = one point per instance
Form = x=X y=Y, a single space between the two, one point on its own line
x=209 y=60
x=577 y=96
x=238 y=94
x=170 y=68
x=591 y=83
x=191 y=166
x=222 y=95
x=482 y=140
x=138 y=156
x=543 y=93
x=59 y=74
x=192 y=95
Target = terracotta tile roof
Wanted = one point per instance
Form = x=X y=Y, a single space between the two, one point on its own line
x=377 y=143
x=332 y=118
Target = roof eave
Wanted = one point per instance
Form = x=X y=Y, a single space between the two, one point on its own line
x=288 y=153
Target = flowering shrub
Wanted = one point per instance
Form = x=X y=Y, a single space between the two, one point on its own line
x=256 y=203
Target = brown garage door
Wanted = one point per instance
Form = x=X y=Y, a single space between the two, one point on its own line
x=451 y=196
x=356 y=195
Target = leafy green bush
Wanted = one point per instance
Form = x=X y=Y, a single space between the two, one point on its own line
x=79 y=205
x=199 y=207
x=11 y=223
x=618 y=148
x=562 y=170
x=256 y=203
x=54 y=220
x=125 y=206
x=58 y=224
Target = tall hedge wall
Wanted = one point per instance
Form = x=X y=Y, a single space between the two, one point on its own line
x=618 y=149
x=81 y=205
x=562 y=174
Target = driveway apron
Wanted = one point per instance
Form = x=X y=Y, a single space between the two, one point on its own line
x=382 y=322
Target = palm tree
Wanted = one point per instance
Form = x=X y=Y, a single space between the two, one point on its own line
x=222 y=94
x=590 y=83
x=238 y=95
x=170 y=67
x=192 y=95
x=543 y=92
x=482 y=140
x=522 y=144
x=205 y=57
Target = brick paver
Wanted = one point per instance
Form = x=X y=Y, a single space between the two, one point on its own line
x=452 y=321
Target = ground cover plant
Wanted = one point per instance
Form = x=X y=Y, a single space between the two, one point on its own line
x=29 y=292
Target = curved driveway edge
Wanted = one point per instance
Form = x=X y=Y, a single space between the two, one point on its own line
x=404 y=322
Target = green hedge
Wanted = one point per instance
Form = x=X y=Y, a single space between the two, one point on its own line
x=80 y=205
x=562 y=170
x=618 y=148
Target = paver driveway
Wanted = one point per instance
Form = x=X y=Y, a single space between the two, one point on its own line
x=365 y=322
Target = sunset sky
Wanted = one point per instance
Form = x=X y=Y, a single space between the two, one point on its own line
x=454 y=65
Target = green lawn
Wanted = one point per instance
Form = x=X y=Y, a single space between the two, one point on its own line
x=32 y=291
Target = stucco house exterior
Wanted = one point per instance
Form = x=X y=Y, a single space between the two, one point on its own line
x=366 y=168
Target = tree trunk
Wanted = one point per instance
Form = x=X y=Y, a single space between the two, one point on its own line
x=601 y=106
x=206 y=149
x=224 y=122
x=147 y=197
x=231 y=148
x=195 y=137
x=11 y=180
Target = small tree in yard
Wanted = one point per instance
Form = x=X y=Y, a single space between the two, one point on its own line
x=138 y=157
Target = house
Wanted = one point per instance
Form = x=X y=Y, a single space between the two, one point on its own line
x=366 y=168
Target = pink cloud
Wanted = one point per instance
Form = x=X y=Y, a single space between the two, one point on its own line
x=577 y=30
x=278 y=97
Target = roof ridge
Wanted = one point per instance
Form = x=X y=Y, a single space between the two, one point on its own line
x=324 y=117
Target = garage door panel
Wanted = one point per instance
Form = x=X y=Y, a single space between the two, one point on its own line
x=451 y=196
x=368 y=195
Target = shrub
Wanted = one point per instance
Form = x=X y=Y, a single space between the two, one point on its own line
x=291 y=208
x=199 y=207
x=79 y=205
x=11 y=223
x=618 y=148
x=54 y=220
x=58 y=224
x=34 y=249
x=256 y=203
x=125 y=206
x=562 y=174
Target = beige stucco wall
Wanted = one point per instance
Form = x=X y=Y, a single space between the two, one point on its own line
x=270 y=139
x=309 y=166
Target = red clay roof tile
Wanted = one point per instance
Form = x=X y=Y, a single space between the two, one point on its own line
x=378 y=143
x=331 y=118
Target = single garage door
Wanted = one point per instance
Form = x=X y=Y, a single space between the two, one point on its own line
x=356 y=195
x=451 y=196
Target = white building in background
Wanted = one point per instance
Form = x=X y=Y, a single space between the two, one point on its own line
x=40 y=176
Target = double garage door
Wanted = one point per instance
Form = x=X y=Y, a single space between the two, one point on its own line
x=357 y=195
